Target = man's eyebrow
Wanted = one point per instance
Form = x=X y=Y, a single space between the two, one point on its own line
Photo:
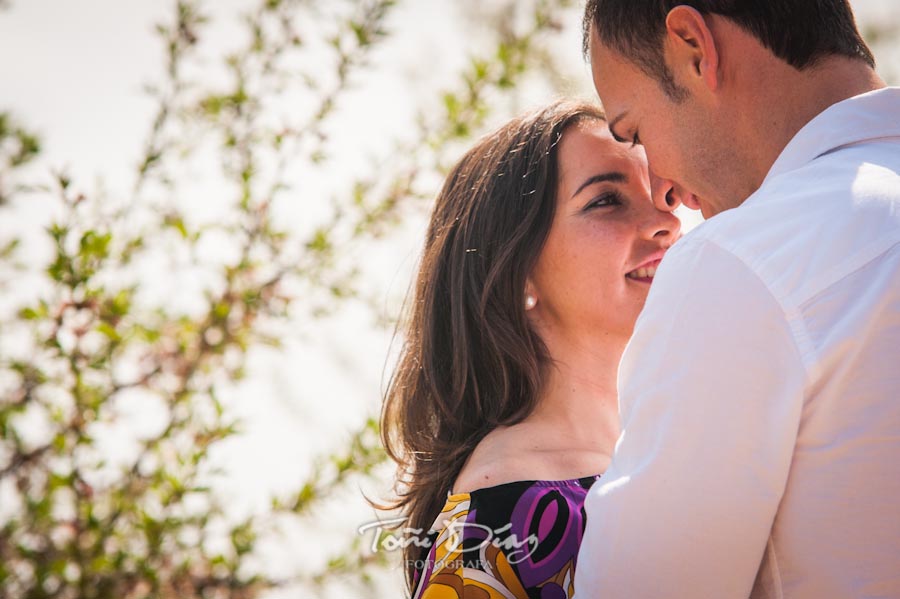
x=615 y=122
x=614 y=177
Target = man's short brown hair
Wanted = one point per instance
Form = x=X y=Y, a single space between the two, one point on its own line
x=800 y=32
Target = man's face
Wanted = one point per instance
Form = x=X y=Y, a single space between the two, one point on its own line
x=684 y=145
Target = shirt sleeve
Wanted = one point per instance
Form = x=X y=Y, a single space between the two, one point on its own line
x=710 y=394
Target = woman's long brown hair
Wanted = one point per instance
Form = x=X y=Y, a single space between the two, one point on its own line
x=470 y=361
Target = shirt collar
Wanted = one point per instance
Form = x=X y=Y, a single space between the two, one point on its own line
x=874 y=114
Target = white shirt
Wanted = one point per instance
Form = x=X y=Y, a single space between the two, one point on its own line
x=760 y=394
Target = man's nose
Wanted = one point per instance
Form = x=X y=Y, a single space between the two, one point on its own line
x=663 y=194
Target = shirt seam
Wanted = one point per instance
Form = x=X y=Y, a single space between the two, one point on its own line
x=849 y=267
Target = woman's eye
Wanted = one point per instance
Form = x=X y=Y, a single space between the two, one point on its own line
x=608 y=199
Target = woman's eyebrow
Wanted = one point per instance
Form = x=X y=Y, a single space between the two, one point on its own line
x=614 y=177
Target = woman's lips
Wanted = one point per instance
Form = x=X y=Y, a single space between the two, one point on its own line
x=645 y=273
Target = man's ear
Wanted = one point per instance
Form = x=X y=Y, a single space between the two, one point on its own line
x=691 y=48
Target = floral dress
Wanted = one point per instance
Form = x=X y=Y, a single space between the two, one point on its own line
x=515 y=540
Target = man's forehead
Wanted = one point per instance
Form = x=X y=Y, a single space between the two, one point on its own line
x=603 y=56
x=609 y=69
x=611 y=87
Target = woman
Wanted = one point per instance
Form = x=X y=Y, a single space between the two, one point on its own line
x=502 y=411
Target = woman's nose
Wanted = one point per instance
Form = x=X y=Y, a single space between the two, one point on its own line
x=663 y=227
x=659 y=222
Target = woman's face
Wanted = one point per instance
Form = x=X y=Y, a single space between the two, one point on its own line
x=597 y=265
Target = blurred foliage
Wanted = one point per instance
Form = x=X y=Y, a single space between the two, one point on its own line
x=94 y=345
x=882 y=37
x=17 y=147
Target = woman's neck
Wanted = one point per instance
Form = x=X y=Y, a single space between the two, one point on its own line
x=572 y=430
x=579 y=394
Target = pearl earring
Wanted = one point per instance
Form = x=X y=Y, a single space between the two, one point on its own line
x=530 y=301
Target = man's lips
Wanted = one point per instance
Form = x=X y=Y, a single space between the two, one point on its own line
x=679 y=195
x=691 y=201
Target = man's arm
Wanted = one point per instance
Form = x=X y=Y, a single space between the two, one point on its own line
x=710 y=394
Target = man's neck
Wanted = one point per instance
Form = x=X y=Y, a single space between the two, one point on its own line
x=794 y=98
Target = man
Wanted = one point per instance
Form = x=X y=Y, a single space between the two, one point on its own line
x=760 y=394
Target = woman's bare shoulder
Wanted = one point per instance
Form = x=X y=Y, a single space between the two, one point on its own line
x=491 y=463
x=516 y=453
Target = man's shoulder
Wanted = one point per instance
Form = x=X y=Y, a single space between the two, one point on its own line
x=806 y=229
